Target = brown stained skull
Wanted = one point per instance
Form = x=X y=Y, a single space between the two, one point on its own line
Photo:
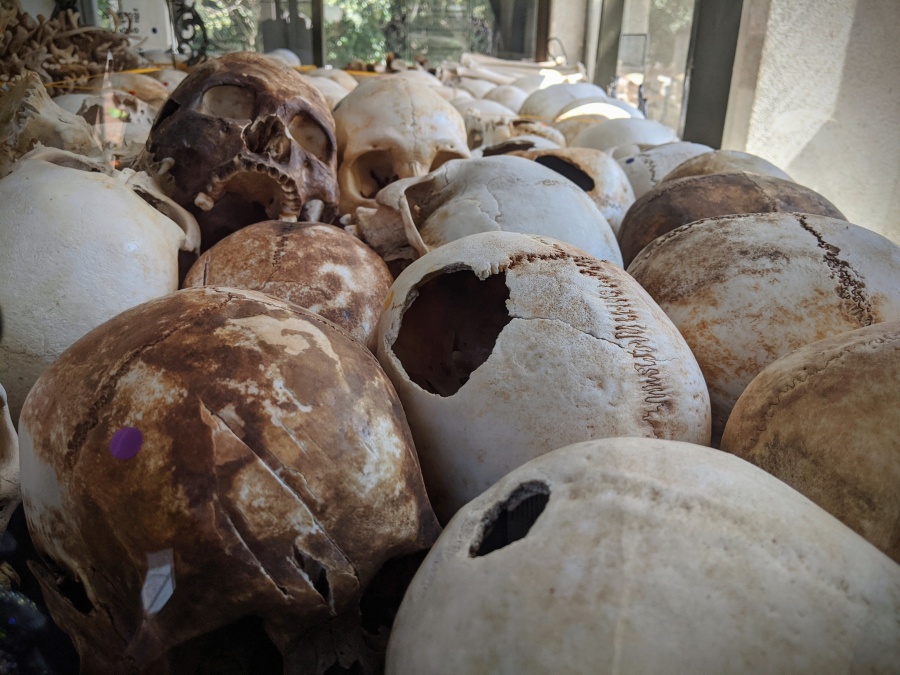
x=245 y=139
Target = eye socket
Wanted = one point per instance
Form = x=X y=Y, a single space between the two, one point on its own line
x=307 y=132
x=228 y=100
x=373 y=171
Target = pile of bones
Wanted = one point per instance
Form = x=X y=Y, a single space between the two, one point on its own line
x=305 y=375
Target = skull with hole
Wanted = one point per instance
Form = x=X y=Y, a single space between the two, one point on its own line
x=393 y=128
x=316 y=266
x=504 y=346
x=747 y=289
x=646 y=169
x=615 y=555
x=825 y=420
x=10 y=492
x=245 y=139
x=81 y=243
x=484 y=120
x=595 y=172
x=216 y=476
x=28 y=117
x=504 y=193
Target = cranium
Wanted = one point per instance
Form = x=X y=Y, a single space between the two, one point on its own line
x=825 y=420
x=342 y=77
x=725 y=161
x=747 y=289
x=485 y=120
x=81 y=243
x=621 y=137
x=507 y=95
x=391 y=128
x=315 y=266
x=213 y=473
x=595 y=172
x=646 y=169
x=640 y=555
x=245 y=139
x=28 y=117
x=504 y=346
x=463 y=197
x=10 y=492
x=146 y=88
x=545 y=104
x=333 y=92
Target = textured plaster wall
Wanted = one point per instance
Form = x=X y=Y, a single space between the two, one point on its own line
x=816 y=90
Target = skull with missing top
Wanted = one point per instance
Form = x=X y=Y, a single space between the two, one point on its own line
x=245 y=139
x=393 y=128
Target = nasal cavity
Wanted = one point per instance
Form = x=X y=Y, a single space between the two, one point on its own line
x=267 y=136
x=568 y=170
x=450 y=329
x=512 y=519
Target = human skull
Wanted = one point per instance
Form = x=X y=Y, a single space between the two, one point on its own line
x=824 y=419
x=507 y=95
x=285 y=56
x=672 y=204
x=504 y=346
x=747 y=289
x=478 y=88
x=209 y=468
x=519 y=135
x=10 y=491
x=331 y=90
x=725 y=161
x=545 y=104
x=81 y=243
x=646 y=169
x=595 y=172
x=315 y=266
x=640 y=555
x=622 y=137
x=245 y=139
x=341 y=77
x=601 y=106
x=392 y=128
x=28 y=117
x=483 y=119
x=463 y=197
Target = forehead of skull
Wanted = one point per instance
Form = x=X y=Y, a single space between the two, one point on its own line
x=259 y=81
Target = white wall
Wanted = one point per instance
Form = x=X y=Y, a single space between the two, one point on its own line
x=816 y=90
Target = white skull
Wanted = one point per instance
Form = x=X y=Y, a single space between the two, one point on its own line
x=342 y=77
x=632 y=555
x=610 y=108
x=28 y=117
x=621 y=137
x=483 y=119
x=546 y=104
x=10 y=490
x=595 y=172
x=478 y=88
x=169 y=77
x=333 y=92
x=508 y=95
x=487 y=194
x=391 y=128
x=646 y=169
x=725 y=161
x=504 y=346
x=81 y=243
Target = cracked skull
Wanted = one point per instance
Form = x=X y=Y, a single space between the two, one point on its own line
x=745 y=290
x=505 y=346
x=245 y=139
x=215 y=470
x=393 y=128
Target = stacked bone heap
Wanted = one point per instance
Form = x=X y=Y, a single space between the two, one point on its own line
x=265 y=334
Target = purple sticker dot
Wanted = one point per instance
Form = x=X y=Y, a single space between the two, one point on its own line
x=126 y=443
x=629 y=160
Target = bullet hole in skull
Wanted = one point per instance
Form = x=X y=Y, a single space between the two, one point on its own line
x=242 y=646
x=568 y=170
x=512 y=519
x=450 y=329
